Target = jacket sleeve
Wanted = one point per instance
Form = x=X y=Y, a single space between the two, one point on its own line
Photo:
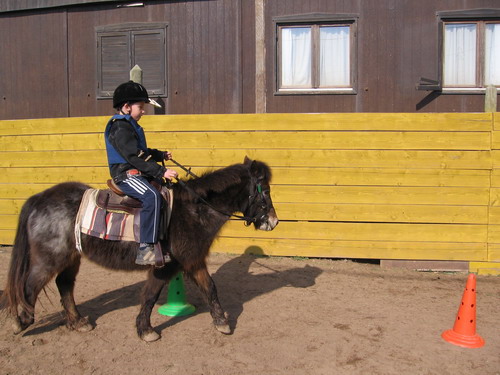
x=123 y=138
x=156 y=154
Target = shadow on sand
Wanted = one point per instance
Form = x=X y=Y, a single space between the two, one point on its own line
x=236 y=285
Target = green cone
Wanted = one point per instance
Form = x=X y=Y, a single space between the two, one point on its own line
x=176 y=299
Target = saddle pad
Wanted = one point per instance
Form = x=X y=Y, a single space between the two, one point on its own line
x=97 y=222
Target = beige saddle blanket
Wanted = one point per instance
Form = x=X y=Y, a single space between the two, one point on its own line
x=112 y=225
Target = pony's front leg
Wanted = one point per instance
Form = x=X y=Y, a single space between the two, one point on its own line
x=150 y=293
x=207 y=286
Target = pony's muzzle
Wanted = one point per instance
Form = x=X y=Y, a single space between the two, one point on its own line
x=271 y=222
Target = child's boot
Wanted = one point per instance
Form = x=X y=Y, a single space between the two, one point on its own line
x=145 y=255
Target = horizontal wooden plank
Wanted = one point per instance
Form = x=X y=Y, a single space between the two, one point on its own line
x=10 y=206
x=24 y=191
x=53 y=175
x=495 y=140
x=494 y=252
x=324 y=121
x=380 y=177
x=321 y=140
x=352 y=249
x=281 y=176
x=495 y=197
x=493 y=233
x=275 y=158
x=495 y=178
x=495 y=159
x=8 y=222
x=76 y=125
x=494 y=215
x=382 y=213
x=364 y=232
x=268 y=121
x=381 y=195
x=297 y=140
x=496 y=121
x=7 y=236
x=485 y=268
x=52 y=142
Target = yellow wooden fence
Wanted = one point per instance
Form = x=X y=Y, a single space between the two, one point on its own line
x=355 y=185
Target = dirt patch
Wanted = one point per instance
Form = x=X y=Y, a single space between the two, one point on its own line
x=289 y=316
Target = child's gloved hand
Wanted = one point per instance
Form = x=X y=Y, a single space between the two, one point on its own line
x=169 y=174
x=167 y=155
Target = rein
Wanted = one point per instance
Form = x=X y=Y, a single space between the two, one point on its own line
x=204 y=201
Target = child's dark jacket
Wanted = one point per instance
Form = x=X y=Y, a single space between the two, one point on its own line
x=127 y=149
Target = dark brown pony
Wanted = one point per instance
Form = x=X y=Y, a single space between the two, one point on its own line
x=44 y=245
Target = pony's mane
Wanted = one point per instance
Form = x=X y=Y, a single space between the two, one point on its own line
x=220 y=179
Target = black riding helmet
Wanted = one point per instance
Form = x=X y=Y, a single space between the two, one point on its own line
x=131 y=92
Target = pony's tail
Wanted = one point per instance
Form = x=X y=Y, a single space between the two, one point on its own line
x=14 y=293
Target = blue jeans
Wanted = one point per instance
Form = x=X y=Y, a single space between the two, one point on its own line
x=139 y=188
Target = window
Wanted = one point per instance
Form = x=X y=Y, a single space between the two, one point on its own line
x=315 y=54
x=471 y=50
x=121 y=47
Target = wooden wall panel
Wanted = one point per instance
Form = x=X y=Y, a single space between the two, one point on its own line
x=397 y=44
x=33 y=64
x=49 y=68
x=384 y=186
x=203 y=58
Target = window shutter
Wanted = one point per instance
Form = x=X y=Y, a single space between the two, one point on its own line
x=122 y=46
x=114 y=61
x=149 y=53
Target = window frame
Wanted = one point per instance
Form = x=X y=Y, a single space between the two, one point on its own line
x=130 y=30
x=315 y=22
x=479 y=17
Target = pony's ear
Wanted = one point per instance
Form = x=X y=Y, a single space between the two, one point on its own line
x=247 y=161
x=252 y=165
x=259 y=170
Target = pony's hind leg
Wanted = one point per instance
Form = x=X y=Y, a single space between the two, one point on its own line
x=35 y=282
x=65 y=282
x=207 y=286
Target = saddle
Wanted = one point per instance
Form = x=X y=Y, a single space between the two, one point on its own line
x=114 y=199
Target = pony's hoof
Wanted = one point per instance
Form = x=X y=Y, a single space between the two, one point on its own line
x=150 y=336
x=82 y=325
x=85 y=327
x=16 y=326
x=223 y=328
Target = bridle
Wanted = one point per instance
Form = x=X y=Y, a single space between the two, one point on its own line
x=257 y=197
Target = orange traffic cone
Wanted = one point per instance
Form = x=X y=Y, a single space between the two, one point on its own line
x=464 y=330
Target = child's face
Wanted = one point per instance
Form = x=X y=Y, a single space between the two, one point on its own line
x=135 y=110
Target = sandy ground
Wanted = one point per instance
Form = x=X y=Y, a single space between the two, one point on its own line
x=290 y=316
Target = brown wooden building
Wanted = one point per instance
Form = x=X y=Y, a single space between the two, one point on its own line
x=63 y=58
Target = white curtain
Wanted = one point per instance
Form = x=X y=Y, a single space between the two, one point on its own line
x=296 y=57
x=334 y=56
x=492 y=55
x=460 y=55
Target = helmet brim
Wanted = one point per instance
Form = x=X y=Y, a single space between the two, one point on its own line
x=154 y=103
